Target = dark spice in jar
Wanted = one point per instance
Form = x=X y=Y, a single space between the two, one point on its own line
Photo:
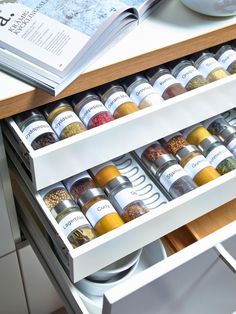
x=164 y=82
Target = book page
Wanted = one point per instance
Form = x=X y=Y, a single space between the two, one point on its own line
x=52 y=32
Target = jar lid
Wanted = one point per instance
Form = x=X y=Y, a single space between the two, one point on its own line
x=177 y=65
x=130 y=81
x=206 y=123
x=103 y=90
x=69 y=182
x=190 y=129
x=219 y=49
x=226 y=133
x=117 y=181
x=80 y=99
x=154 y=73
x=50 y=107
x=199 y=56
x=186 y=150
x=60 y=207
x=207 y=142
x=88 y=195
x=21 y=118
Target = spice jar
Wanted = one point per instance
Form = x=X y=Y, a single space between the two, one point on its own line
x=77 y=185
x=104 y=173
x=210 y=68
x=223 y=130
x=184 y=71
x=125 y=199
x=73 y=223
x=196 y=165
x=166 y=169
x=116 y=100
x=141 y=91
x=35 y=128
x=99 y=211
x=174 y=142
x=62 y=118
x=217 y=155
x=164 y=82
x=195 y=134
x=226 y=55
x=90 y=109
x=54 y=194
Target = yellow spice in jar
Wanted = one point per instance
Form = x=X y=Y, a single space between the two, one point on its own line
x=108 y=223
x=197 y=135
x=206 y=175
x=125 y=109
x=106 y=174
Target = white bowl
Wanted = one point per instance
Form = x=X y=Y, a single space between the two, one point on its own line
x=118 y=267
x=95 y=288
x=212 y=7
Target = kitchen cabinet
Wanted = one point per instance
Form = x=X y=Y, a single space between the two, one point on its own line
x=173 y=37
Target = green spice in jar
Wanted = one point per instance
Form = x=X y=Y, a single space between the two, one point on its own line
x=210 y=68
x=185 y=72
x=217 y=154
x=73 y=223
x=62 y=118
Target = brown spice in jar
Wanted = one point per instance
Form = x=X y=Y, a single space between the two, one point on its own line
x=54 y=197
x=175 y=143
x=81 y=186
x=133 y=211
x=153 y=152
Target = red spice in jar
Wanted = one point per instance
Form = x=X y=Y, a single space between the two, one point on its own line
x=100 y=119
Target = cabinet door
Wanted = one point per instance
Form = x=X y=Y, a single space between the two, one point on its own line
x=12 y=298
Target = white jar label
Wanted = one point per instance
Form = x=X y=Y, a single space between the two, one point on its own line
x=126 y=196
x=163 y=82
x=63 y=120
x=187 y=74
x=70 y=181
x=228 y=57
x=90 y=110
x=142 y=91
x=217 y=155
x=32 y=131
x=51 y=188
x=99 y=210
x=115 y=100
x=72 y=221
x=208 y=65
x=96 y=169
x=232 y=146
x=172 y=174
x=195 y=165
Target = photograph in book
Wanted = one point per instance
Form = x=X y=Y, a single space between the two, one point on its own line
x=50 y=42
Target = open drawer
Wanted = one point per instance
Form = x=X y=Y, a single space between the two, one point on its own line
x=207 y=268
x=128 y=238
x=93 y=147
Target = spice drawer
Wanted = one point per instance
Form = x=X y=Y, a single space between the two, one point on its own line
x=93 y=147
x=157 y=288
x=133 y=235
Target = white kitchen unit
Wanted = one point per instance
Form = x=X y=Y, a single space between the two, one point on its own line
x=186 y=281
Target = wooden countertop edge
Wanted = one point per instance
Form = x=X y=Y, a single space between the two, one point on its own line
x=38 y=97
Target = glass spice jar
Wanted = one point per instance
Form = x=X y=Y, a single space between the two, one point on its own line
x=184 y=71
x=141 y=91
x=90 y=109
x=35 y=128
x=116 y=100
x=99 y=211
x=195 y=134
x=62 y=118
x=125 y=199
x=196 y=165
x=164 y=82
x=218 y=126
x=77 y=185
x=54 y=194
x=104 y=173
x=174 y=142
x=210 y=68
x=217 y=155
x=166 y=169
x=226 y=55
x=73 y=223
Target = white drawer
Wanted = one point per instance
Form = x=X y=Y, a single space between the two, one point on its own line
x=83 y=151
x=129 y=237
x=193 y=278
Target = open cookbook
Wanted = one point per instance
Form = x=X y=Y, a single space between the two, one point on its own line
x=49 y=43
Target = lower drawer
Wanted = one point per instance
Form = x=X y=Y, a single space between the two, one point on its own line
x=207 y=268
